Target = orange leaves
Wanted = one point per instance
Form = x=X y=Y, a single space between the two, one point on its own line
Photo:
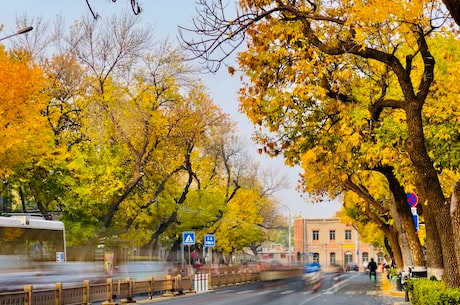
x=21 y=103
x=376 y=11
x=231 y=70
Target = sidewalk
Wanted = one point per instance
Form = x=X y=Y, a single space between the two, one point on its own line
x=388 y=289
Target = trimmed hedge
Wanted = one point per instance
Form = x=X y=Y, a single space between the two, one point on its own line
x=429 y=292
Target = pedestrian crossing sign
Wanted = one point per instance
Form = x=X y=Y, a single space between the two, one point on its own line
x=188 y=238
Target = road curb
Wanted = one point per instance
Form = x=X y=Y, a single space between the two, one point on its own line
x=389 y=290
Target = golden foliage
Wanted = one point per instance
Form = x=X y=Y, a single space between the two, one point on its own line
x=22 y=100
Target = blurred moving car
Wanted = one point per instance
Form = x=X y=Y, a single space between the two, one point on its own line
x=336 y=271
x=139 y=270
x=46 y=275
x=352 y=267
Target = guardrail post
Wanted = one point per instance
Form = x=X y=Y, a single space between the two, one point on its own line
x=150 y=291
x=58 y=294
x=179 y=287
x=130 y=297
x=246 y=276
x=210 y=280
x=109 y=293
x=169 y=286
x=86 y=292
x=28 y=294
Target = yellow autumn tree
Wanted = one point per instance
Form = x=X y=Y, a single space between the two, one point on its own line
x=306 y=66
x=22 y=101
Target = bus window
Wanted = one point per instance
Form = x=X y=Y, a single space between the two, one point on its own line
x=34 y=239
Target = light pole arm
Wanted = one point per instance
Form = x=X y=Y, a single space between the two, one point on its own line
x=21 y=31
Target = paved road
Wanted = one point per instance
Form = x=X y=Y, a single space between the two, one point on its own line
x=354 y=289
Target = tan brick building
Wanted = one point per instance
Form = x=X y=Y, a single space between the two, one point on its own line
x=328 y=241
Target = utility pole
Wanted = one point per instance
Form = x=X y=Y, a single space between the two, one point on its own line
x=289 y=234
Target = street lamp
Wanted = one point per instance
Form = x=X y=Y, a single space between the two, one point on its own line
x=289 y=234
x=19 y=32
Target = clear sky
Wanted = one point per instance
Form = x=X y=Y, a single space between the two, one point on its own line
x=164 y=17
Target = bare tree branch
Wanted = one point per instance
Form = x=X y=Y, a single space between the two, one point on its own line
x=134 y=6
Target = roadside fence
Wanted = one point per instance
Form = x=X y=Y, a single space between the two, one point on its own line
x=123 y=291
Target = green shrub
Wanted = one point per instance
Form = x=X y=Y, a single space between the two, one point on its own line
x=429 y=292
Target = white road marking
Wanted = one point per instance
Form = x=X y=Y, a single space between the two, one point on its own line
x=287 y=292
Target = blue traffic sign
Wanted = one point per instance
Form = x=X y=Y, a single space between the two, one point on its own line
x=209 y=240
x=188 y=238
x=415 y=217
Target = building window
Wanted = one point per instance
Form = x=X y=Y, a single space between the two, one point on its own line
x=316 y=257
x=348 y=258
x=331 y=234
x=365 y=257
x=332 y=258
x=347 y=234
x=315 y=235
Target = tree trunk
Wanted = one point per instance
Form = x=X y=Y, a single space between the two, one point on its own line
x=404 y=222
x=174 y=254
x=403 y=244
x=397 y=257
x=455 y=215
x=454 y=8
x=429 y=180
x=434 y=260
x=408 y=228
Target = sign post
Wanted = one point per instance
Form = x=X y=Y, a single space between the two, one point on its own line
x=188 y=239
x=209 y=243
